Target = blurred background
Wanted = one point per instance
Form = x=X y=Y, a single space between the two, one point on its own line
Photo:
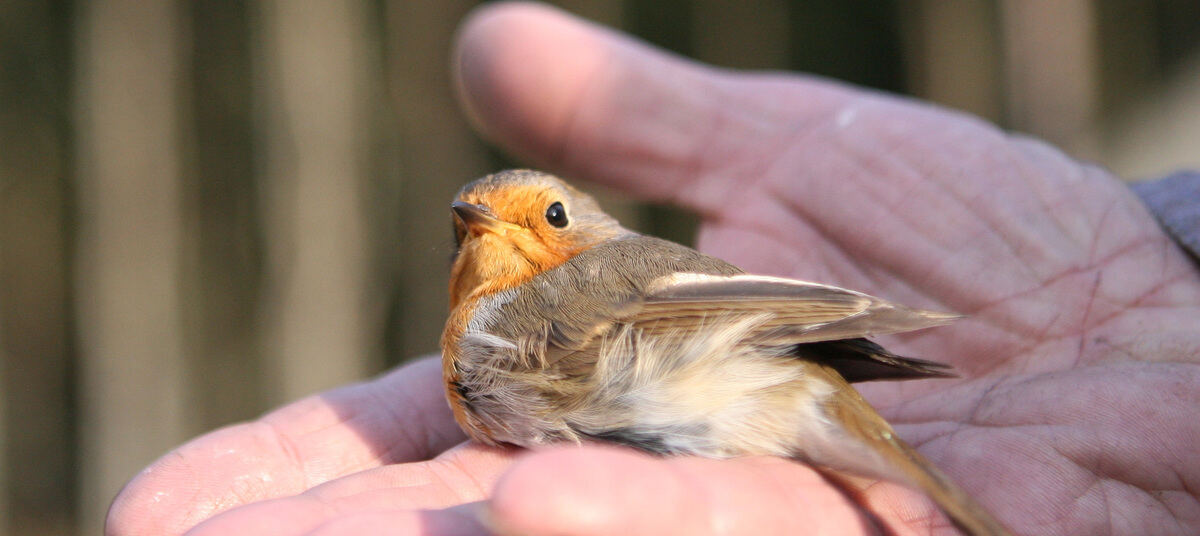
x=209 y=208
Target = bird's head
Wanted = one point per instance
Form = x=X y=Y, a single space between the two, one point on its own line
x=513 y=225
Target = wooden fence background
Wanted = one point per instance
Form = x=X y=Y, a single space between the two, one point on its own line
x=209 y=208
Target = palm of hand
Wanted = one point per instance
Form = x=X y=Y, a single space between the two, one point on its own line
x=1079 y=352
x=1080 y=343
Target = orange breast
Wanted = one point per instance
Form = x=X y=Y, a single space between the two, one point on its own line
x=456 y=325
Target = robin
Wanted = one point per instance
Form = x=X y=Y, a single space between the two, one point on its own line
x=565 y=326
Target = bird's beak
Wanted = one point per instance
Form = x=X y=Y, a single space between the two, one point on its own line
x=478 y=218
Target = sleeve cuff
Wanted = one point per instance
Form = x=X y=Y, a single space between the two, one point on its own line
x=1175 y=201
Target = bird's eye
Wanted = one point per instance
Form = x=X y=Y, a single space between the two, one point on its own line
x=557 y=215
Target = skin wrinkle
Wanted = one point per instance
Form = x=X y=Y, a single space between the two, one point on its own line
x=872 y=521
x=899 y=277
x=989 y=229
x=1055 y=257
x=1092 y=468
x=1125 y=352
x=777 y=145
x=972 y=415
x=848 y=261
x=778 y=193
x=290 y=450
x=323 y=501
x=1176 y=514
x=409 y=441
x=1163 y=260
x=1084 y=328
x=775 y=193
x=895 y=271
x=863 y=267
x=197 y=510
x=1104 y=480
x=1185 y=487
x=749 y=225
x=928 y=521
x=1020 y=270
x=1166 y=282
x=1029 y=345
x=1112 y=470
x=434 y=470
x=455 y=464
x=1069 y=272
x=1083 y=497
x=1121 y=312
x=771 y=151
x=1023 y=160
x=1097 y=266
x=970 y=204
x=438 y=476
x=1104 y=498
x=905 y=412
x=811 y=132
x=1100 y=231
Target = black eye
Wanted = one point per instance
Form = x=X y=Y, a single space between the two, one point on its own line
x=557 y=215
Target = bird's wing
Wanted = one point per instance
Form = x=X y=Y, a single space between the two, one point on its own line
x=797 y=311
x=822 y=322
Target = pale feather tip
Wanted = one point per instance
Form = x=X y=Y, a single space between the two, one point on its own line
x=894 y=318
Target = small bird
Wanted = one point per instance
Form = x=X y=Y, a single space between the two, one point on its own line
x=567 y=327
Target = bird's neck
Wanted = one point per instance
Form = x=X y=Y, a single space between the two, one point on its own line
x=486 y=265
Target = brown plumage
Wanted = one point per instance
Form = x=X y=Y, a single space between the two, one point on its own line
x=564 y=326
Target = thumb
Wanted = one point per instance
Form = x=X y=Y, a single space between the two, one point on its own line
x=571 y=96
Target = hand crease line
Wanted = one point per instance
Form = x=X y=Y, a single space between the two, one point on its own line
x=290 y=449
x=417 y=447
x=846 y=260
x=930 y=287
x=1097 y=266
x=454 y=463
x=1084 y=328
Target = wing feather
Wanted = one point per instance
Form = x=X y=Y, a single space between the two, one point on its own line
x=804 y=319
x=822 y=322
x=798 y=311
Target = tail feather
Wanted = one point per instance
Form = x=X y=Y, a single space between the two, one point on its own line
x=910 y=467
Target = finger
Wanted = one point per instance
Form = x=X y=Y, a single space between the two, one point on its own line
x=399 y=417
x=569 y=95
x=873 y=181
x=602 y=490
x=459 y=521
x=397 y=492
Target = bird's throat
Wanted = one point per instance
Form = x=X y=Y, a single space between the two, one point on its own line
x=491 y=263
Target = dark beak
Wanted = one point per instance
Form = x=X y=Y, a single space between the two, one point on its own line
x=477 y=218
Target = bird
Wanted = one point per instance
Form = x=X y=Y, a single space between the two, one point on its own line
x=565 y=326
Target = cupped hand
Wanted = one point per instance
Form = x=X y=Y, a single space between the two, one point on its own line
x=1079 y=356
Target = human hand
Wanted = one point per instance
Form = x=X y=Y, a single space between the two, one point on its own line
x=1079 y=354
x=380 y=457
x=1080 y=350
